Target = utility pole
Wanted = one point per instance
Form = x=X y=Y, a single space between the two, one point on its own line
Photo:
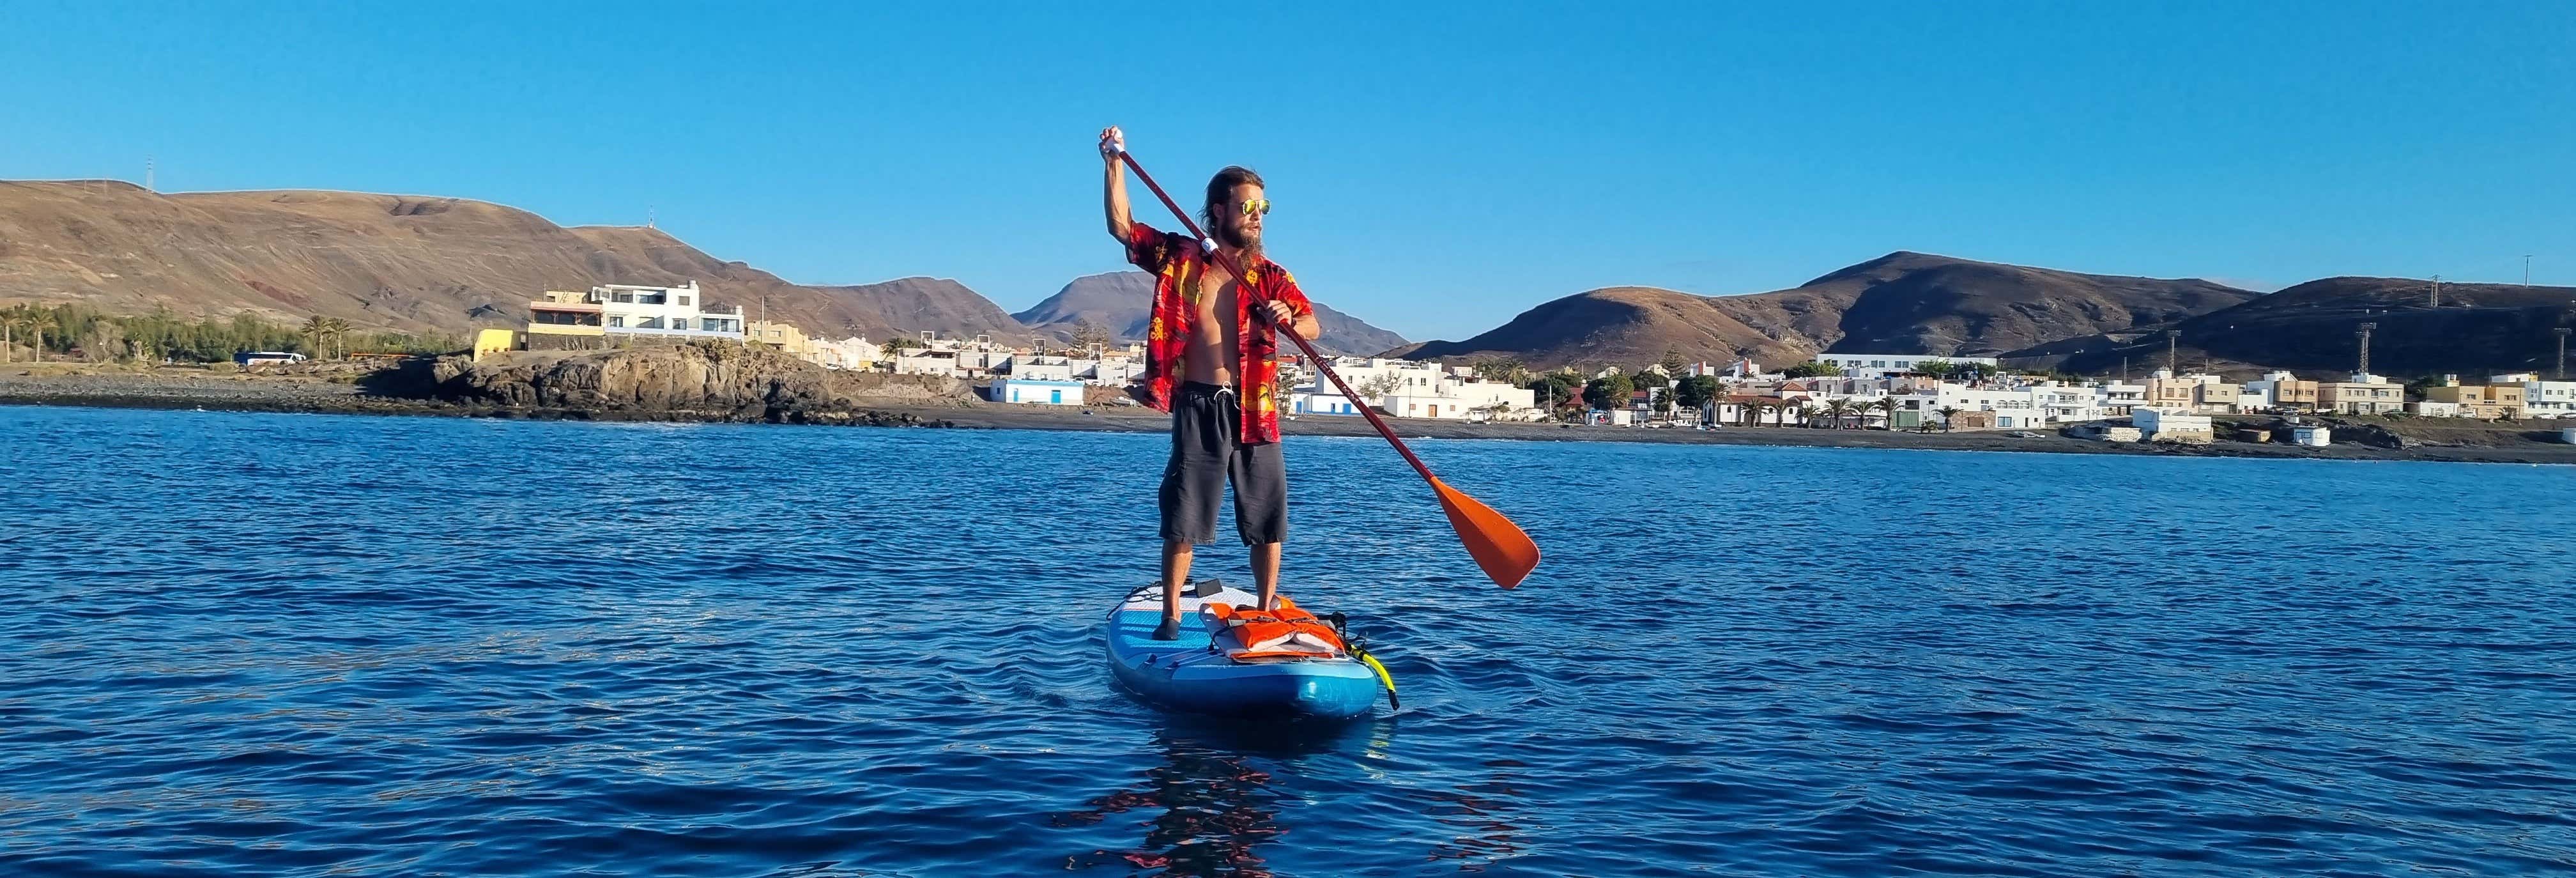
x=2365 y=347
x=2562 y=352
x=147 y=187
x=2437 y=291
x=2526 y=269
x=2173 y=340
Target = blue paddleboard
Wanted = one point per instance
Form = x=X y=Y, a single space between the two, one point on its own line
x=1190 y=674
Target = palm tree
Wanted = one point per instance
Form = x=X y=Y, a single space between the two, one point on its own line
x=313 y=330
x=36 y=323
x=335 y=329
x=1836 y=409
x=1948 y=412
x=1886 y=405
x=11 y=321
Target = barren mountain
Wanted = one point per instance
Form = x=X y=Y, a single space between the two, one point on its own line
x=1899 y=303
x=1120 y=301
x=408 y=263
x=1618 y=326
x=1915 y=303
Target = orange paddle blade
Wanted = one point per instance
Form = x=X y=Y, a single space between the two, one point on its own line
x=1495 y=542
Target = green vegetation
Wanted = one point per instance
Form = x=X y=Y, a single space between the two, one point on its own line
x=1698 y=391
x=1608 y=393
x=1811 y=369
x=1937 y=368
x=57 y=331
x=1556 y=390
x=1507 y=370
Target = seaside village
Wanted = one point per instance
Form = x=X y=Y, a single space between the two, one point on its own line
x=1835 y=390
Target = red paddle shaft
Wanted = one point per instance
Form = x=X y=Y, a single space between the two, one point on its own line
x=1291 y=332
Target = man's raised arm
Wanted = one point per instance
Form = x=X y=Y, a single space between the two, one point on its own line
x=1113 y=199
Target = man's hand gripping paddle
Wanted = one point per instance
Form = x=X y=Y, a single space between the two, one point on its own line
x=1498 y=545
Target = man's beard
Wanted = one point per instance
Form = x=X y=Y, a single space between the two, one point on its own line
x=1233 y=238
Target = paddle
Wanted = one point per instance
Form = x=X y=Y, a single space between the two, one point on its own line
x=1506 y=554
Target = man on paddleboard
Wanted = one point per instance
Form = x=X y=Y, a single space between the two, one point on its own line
x=1211 y=360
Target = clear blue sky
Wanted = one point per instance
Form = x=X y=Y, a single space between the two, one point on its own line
x=1435 y=170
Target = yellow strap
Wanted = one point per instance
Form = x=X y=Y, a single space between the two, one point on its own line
x=1382 y=675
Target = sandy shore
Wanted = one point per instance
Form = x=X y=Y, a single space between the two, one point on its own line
x=60 y=384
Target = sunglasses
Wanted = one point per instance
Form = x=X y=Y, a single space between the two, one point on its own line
x=1257 y=205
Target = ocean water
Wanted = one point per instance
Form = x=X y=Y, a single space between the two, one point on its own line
x=318 y=645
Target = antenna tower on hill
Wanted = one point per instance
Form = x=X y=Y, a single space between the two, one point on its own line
x=147 y=187
x=2437 y=291
x=2365 y=347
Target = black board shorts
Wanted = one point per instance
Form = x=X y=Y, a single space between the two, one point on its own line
x=1205 y=456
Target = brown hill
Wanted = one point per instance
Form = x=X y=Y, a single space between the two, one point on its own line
x=406 y=263
x=1119 y=302
x=1619 y=326
x=1899 y=303
x=1916 y=303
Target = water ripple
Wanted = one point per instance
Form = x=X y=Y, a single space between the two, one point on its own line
x=284 y=644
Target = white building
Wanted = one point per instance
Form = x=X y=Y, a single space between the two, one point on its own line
x=664 y=312
x=1037 y=367
x=2014 y=407
x=1038 y=391
x=1409 y=389
x=923 y=361
x=854 y=352
x=2544 y=398
x=2171 y=425
x=2064 y=403
x=2118 y=397
x=2311 y=435
x=1115 y=370
x=1875 y=365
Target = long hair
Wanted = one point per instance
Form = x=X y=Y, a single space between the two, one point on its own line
x=1220 y=193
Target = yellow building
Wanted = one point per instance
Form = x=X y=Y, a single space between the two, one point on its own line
x=2488 y=401
x=492 y=341
x=2364 y=395
x=784 y=337
x=2197 y=392
x=565 y=319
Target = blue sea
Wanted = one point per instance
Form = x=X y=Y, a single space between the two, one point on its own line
x=236 y=644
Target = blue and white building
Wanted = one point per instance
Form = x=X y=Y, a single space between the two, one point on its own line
x=1038 y=391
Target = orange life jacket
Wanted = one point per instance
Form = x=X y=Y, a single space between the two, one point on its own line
x=1286 y=632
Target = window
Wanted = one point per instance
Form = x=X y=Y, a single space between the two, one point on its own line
x=624 y=296
x=1055 y=397
x=617 y=321
x=684 y=300
x=649 y=323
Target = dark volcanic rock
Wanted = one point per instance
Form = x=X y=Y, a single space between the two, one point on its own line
x=714 y=381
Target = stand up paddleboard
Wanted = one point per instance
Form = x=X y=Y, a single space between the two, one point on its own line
x=1209 y=670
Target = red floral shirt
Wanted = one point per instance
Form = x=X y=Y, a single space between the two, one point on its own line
x=1179 y=265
